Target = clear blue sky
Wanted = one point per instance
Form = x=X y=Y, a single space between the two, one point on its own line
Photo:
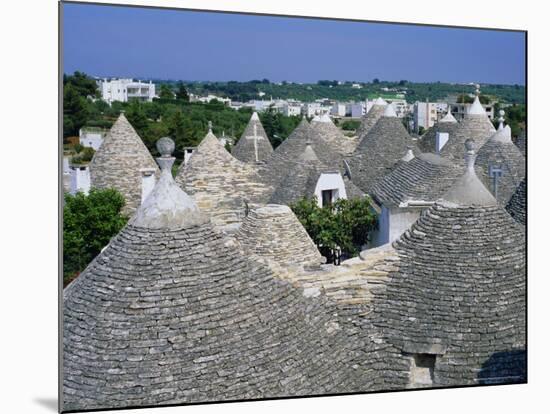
x=178 y=44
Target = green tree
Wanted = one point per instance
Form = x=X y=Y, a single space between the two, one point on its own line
x=75 y=111
x=350 y=125
x=182 y=92
x=166 y=92
x=89 y=223
x=137 y=117
x=347 y=224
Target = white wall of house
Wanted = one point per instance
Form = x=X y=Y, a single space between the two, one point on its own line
x=124 y=89
x=91 y=138
x=338 y=109
x=292 y=110
x=330 y=181
x=147 y=182
x=392 y=223
x=80 y=179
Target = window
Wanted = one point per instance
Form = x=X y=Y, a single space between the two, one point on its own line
x=422 y=370
x=326 y=196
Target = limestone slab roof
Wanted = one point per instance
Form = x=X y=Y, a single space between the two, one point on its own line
x=428 y=141
x=378 y=151
x=119 y=161
x=288 y=153
x=371 y=117
x=301 y=179
x=424 y=179
x=245 y=150
x=220 y=184
x=500 y=152
x=521 y=142
x=517 y=204
x=459 y=293
x=476 y=127
x=273 y=232
x=339 y=144
x=171 y=315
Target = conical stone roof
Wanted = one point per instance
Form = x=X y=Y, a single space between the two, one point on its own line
x=172 y=313
x=254 y=145
x=421 y=180
x=379 y=150
x=274 y=233
x=446 y=124
x=500 y=152
x=517 y=204
x=220 y=184
x=475 y=125
x=338 y=143
x=521 y=142
x=459 y=293
x=119 y=162
x=371 y=117
x=302 y=177
x=287 y=154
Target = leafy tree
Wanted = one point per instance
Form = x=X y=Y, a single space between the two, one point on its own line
x=82 y=83
x=75 y=111
x=347 y=224
x=351 y=125
x=137 y=117
x=166 y=92
x=89 y=223
x=376 y=81
x=182 y=92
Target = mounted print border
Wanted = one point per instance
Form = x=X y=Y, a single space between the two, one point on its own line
x=261 y=207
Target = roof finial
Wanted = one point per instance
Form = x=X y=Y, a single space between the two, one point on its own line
x=165 y=147
x=210 y=126
x=501 y=119
x=477 y=89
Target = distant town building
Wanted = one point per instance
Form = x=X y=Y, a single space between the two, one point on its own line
x=208 y=98
x=91 y=137
x=123 y=90
x=424 y=115
x=400 y=106
x=460 y=109
x=338 y=109
x=291 y=109
x=356 y=109
x=356 y=86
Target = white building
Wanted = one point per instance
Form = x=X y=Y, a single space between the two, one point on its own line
x=123 y=90
x=400 y=106
x=338 y=109
x=356 y=86
x=356 y=109
x=80 y=179
x=330 y=187
x=311 y=109
x=292 y=109
x=91 y=137
x=208 y=98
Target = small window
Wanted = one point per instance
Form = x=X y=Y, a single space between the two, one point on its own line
x=326 y=196
x=422 y=370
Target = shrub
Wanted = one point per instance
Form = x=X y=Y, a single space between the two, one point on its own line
x=89 y=222
x=347 y=224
